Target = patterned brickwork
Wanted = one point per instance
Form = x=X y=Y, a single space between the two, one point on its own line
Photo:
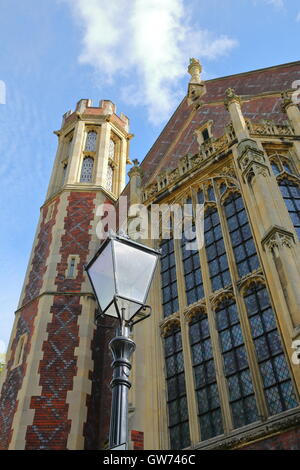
x=41 y=253
x=57 y=369
x=96 y=430
x=289 y=440
x=14 y=378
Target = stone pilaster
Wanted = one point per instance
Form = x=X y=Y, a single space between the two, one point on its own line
x=291 y=108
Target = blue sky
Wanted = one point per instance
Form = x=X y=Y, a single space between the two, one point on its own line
x=55 y=52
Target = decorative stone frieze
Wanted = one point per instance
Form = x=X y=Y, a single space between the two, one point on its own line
x=169 y=323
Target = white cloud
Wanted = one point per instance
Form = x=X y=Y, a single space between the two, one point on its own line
x=148 y=42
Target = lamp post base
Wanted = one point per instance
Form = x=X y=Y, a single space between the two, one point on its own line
x=122 y=348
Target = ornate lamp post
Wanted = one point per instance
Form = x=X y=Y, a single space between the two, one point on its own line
x=121 y=273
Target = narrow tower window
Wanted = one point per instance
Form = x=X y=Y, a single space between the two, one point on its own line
x=112 y=149
x=90 y=145
x=87 y=170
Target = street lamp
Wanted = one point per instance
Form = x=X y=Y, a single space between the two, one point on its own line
x=121 y=273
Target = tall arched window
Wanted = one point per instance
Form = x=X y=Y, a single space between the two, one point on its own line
x=241 y=393
x=240 y=233
x=87 y=170
x=209 y=410
x=290 y=191
x=176 y=401
x=168 y=278
x=192 y=271
x=274 y=370
x=215 y=250
x=90 y=144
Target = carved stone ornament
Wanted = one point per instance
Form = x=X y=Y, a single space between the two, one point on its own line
x=194 y=309
x=278 y=237
x=169 y=323
x=231 y=97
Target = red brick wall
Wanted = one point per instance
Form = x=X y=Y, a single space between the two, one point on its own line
x=137 y=438
x=58 y=367
x=289 y=440
x=14 y=378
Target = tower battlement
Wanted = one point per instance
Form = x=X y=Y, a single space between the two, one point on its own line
x=106 y=109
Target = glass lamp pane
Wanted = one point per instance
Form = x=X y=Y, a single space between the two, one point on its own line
x=134 y=271
x=102 y=275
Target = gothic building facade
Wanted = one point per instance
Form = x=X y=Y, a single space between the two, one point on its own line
x=216 y=365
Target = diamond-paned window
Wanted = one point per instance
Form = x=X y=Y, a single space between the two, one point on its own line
x=209 y=410
x=215 y=250
x=240 y=233
x=236 y=367
x=275 y=373
x=90 y=144
x=87 y=170
x=290 y=191
x=168 y=278
x=111 y=149
x=177 y=400
x=109 y=178
x=192 y=270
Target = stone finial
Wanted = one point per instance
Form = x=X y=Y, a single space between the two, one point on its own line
x=195 y=69
x=286 y=100
x=231 y=97
x=136 y=169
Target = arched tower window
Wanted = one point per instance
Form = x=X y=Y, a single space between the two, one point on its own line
x=110 y=177
x=90 y=144
x=274 y=370
x=241 y=393
x=112 y=149
x=177 y=400
x=209 y=410
x=87 y=170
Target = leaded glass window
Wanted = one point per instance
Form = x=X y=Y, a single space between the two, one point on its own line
x=109 y=177
x=168 y=278
x=240 y=233
x=215 y=250
x=211 y=193
x=275 y=373
x=87 y=170
x=241 y=393
x=90 y=144
x=275 y=168
x=209 y=410
x=200 y=197
x=177 y=401
x=290 y=191
x=192 y=270
x=112 y=148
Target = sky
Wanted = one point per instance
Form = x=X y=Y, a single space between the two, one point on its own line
x=135 y=53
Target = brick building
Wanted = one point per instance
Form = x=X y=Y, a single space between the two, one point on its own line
x=216 y=360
